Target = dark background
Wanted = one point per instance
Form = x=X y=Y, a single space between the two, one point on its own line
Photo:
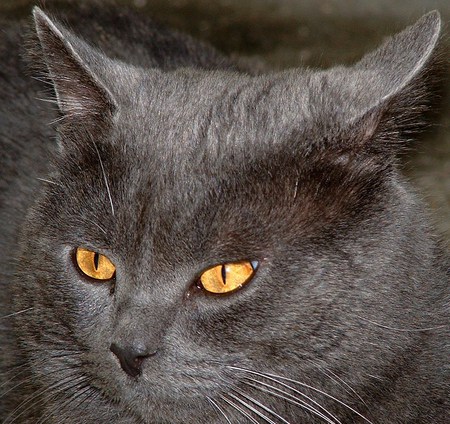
x=317 y=33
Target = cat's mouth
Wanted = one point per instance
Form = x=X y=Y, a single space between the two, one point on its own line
x=160 y=379
x=148 y=395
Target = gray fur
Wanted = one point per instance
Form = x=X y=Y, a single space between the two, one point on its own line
x=169 y=159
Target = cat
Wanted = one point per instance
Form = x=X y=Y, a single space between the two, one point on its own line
x=184 y=240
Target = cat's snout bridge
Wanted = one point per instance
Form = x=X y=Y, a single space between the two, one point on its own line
x=131 y=357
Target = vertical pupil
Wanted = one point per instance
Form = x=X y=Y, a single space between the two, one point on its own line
x=96 y=259
x=224 y=275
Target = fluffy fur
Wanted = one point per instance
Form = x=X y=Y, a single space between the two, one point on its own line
x=166 y=157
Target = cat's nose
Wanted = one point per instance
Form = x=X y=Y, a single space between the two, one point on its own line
x=131 y=358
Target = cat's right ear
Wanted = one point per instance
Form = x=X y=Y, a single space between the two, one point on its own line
x=72 y=67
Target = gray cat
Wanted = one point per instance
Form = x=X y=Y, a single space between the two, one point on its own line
x=185 y=241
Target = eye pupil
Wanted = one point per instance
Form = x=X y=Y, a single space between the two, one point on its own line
x=96 y=260
x=224 y=275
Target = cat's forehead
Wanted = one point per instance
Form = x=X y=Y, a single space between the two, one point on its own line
x=186 y=105
x=193 y=109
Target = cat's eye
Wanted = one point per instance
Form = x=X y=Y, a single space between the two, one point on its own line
x=228 y=277
x=94 y=264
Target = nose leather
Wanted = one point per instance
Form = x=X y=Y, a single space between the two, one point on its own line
x=130 y=358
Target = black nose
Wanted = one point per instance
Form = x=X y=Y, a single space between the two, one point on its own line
x=130 y=358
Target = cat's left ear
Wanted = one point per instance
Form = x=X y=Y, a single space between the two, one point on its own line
x=75 y=71
x=391 y=86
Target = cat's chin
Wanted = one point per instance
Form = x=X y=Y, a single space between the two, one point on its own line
x=175 y=410
x=170 y=400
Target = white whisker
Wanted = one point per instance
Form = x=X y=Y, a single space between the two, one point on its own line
x=278 y=377
x=406 y=330
x=23 y=368
x=296 y=189
x=104 y=177
x=83 y=388
x=33 y=400
x=57 y=120
x=251 y=408
x=99 y=227
x=239 y=409
x=221 y=411
x=270 y=411
x=27 y=380
x=327 y=371
x=294 y=399
x=42 y=80
x=53 y=101
x=275 y=391
x=17 y=313
x=49 y=181
x=91 y=395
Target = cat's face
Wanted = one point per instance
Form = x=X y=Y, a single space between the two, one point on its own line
x=189 y=170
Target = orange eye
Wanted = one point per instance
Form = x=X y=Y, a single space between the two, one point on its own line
x=228 y=277
x=95 y=265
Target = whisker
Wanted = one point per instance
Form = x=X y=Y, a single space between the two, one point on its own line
x=405 y=330
x=17 y=313
x=239 y=409
x=104 y=176
x=53 y=101
x=294 y=400
x=47 y=398
x=99 y=227
x=252 y=409
x=23 y=368
x=259 y=404
x=18 y=369
x=33 y=400
x=327 y=371
x=66 y=403
x=89 y=393
x=291 y=398
x=14 y=371
x=221 y=411
x=296 y=188
x=57 y=120
x=49 y=181
x=26 y=380
x=278 y=377
x=42 y=80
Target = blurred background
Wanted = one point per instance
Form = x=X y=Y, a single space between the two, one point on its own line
x=312 y=33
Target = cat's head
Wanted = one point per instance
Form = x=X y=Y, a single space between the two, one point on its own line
x=160 y=178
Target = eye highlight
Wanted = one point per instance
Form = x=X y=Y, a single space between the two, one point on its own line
x=225 y=278
x=94 y=264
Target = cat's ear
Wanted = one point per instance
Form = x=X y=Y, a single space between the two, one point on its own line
x=392 y=85
x=72 y=67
